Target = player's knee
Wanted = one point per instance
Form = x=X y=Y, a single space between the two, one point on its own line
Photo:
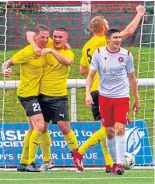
x=64 y=129
x=39 y=127
x=45 y=128
x=110 y=132
x=38 y=122
x=119 y=129
x=110 y=135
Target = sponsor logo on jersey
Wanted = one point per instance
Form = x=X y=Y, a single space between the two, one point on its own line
x=121 y=59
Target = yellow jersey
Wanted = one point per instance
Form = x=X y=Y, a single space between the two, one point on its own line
x=54 y=80
x=31 y=71
x=50 y=43
x=87 y=52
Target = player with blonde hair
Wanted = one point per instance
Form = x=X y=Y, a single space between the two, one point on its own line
x=99 y=26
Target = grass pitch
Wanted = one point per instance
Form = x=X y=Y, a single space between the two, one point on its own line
x=144 y=176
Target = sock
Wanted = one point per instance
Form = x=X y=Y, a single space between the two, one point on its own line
x=33 y=145
x=25 y=150
x=107 y=157
x=111 y=145
x=120 y=148
x=45 y=146
x=71 y=140
x=96 y=138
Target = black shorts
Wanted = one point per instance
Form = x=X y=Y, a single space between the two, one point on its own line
x=54 y=108
x=95 y=106
x=31 y=105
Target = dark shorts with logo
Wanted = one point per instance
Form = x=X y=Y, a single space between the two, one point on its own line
x=54 y=108
x=95 y=106
x=31 y=105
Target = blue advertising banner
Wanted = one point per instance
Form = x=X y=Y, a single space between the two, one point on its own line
x=11 y=143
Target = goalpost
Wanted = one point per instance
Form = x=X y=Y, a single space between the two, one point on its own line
x=75 y=16
x=146 y=69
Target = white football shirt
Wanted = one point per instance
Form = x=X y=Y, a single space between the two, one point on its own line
x=113 y=68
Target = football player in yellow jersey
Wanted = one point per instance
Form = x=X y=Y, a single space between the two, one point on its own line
x=31 y=72
x=99 y=26
x=53 y=89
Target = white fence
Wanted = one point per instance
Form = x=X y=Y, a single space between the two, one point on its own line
x=73 y=84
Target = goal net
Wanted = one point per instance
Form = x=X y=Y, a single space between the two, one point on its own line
x=19 y=17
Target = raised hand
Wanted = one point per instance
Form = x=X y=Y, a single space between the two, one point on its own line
x=141 y=9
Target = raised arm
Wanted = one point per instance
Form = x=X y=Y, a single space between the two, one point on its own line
x=5 y=68
x=31 y=39
x=129 y=30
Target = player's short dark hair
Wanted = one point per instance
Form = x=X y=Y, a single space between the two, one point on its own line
x=61 y=29
x=111 y=31
x=41 y=27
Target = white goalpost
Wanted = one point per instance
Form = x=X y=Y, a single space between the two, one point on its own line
x=3 y=9
x=146 y=69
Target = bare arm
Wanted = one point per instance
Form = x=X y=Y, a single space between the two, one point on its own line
x=89 y=82
x=5 y=68
x=134 y=88
x=134 y=23
x=31 y=39
x=62 y=59
x=84 y=70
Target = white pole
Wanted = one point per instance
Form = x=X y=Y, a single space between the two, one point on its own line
x=73 y=105
x=77 y=83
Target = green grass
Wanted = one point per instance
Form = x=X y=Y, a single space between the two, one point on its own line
x=70 y=177
x=146 y=71
x=14 y=111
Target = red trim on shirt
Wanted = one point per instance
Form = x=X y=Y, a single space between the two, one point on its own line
x=111 y=51
x=128 y=52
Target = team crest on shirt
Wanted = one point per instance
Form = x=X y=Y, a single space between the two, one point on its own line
x=105 y=57
x=121 y=59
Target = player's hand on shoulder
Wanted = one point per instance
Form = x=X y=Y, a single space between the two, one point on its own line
x=46 y=50
x=89 y=100
x=67 y=46
x=7 y=72
x=141 y=9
